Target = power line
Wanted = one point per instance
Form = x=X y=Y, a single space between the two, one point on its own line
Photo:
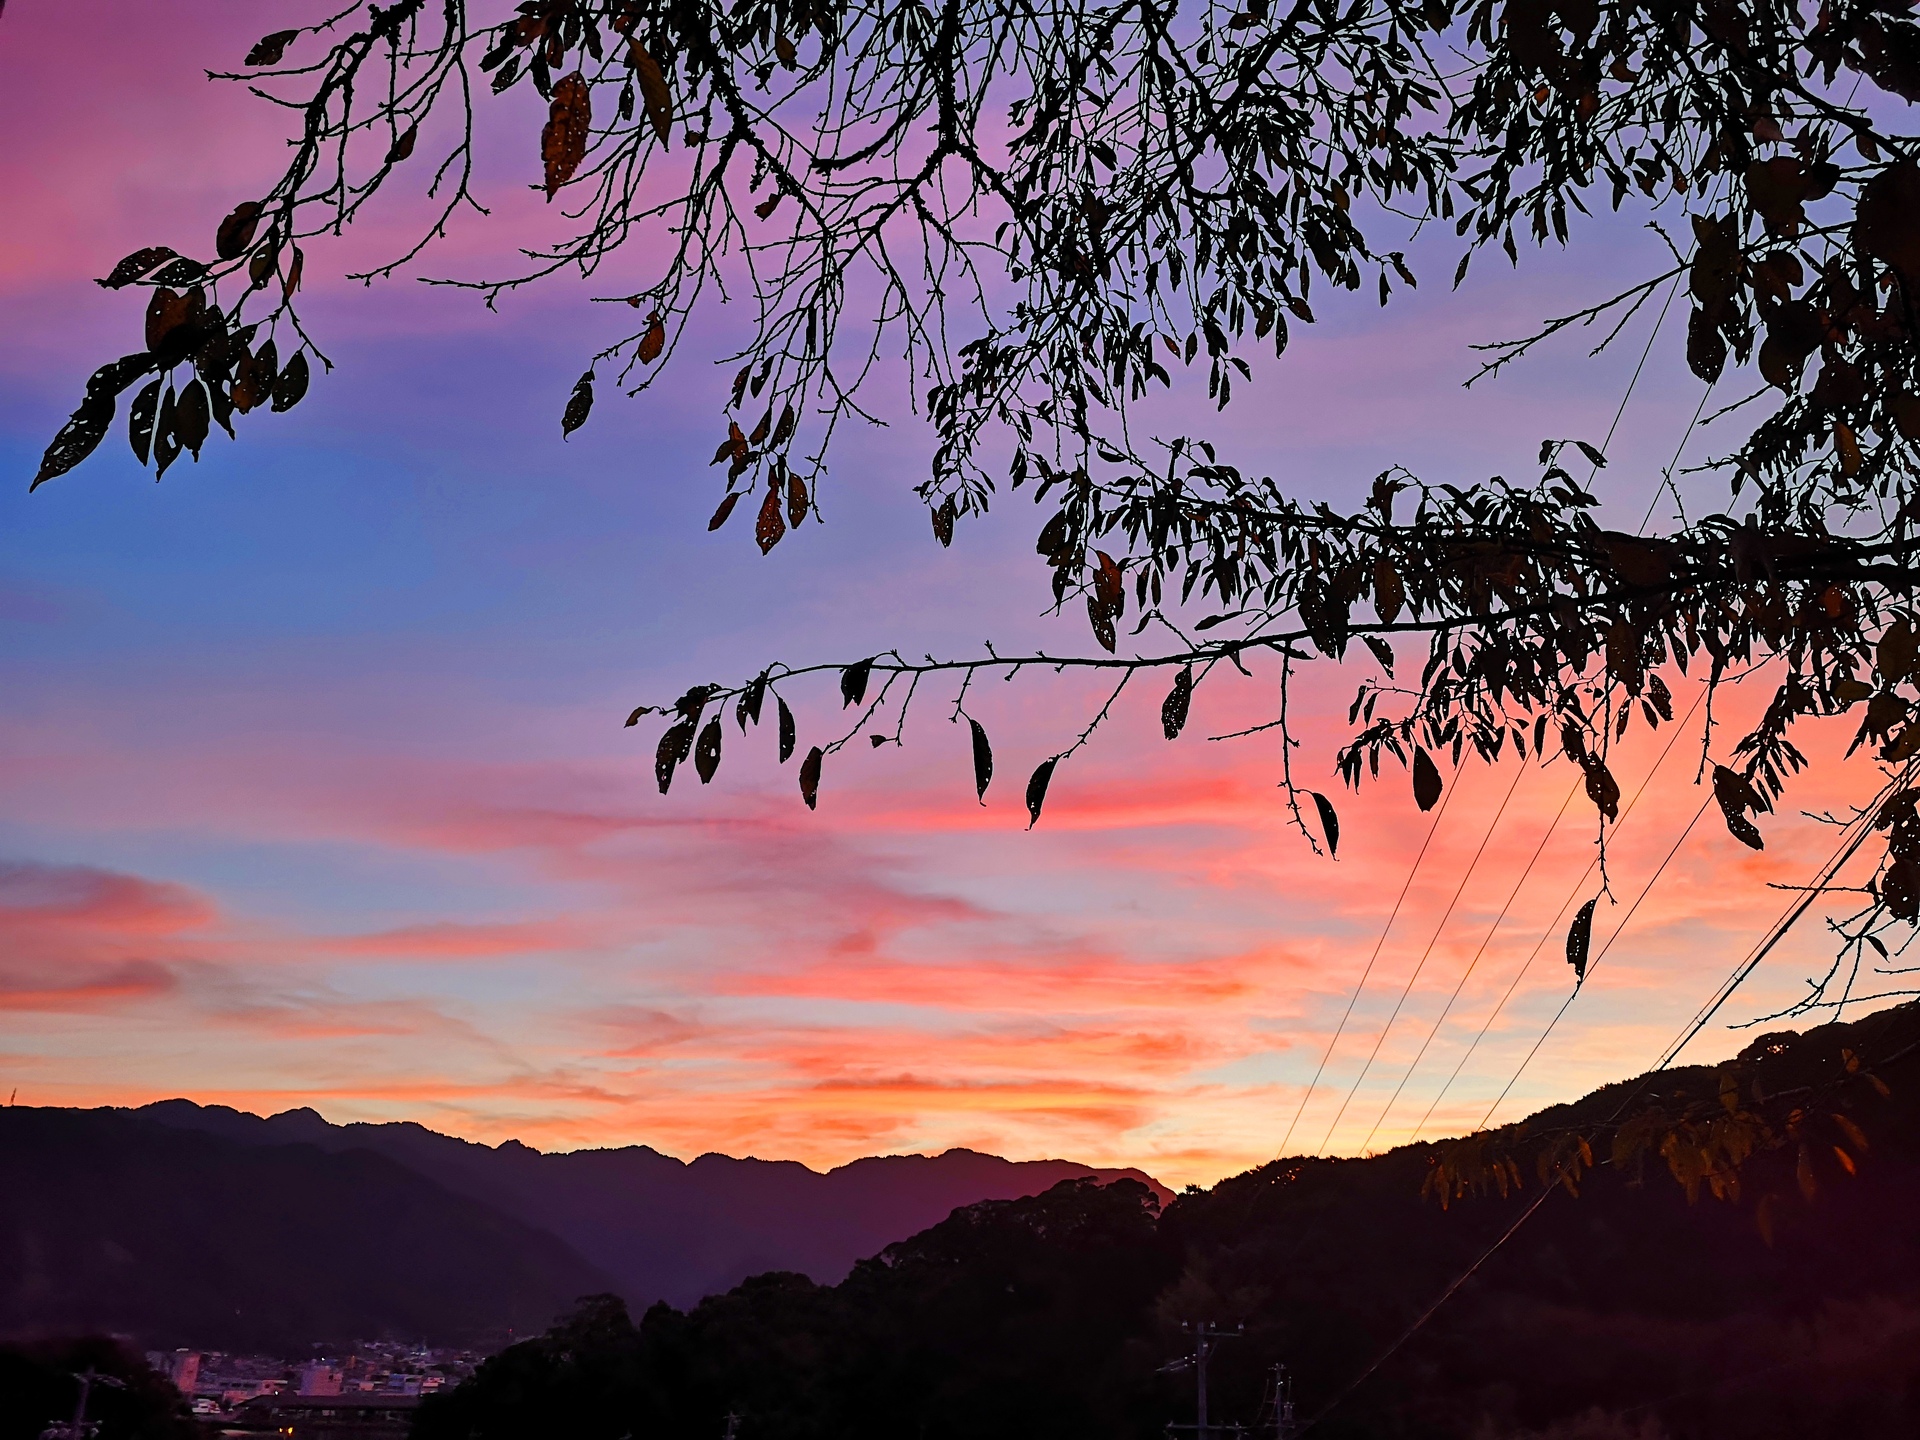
x=1512 y=895
x=1572 y=895
x=1849 y=846
x=1567 y=1003
x=1353 y=999
x=1446 y=915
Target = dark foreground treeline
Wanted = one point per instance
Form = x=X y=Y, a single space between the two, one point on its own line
x=1627 y=1312
x=126 y=1399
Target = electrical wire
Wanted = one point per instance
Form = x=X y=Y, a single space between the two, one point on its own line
x=1594 y=964
x=1446 y=915
x=1553 y=925
x=1353 y=999
x=1850 y=844
x=1486 y=940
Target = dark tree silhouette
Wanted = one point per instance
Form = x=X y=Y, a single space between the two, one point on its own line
x=1049 y=210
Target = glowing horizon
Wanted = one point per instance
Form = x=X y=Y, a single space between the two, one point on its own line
x=313 y=788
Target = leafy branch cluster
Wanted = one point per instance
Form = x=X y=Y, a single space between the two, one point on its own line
x=1046 y=211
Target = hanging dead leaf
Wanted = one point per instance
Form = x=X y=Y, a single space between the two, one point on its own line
x=1736 y=796
x=654 y=341
x=1037 y=790
x=675 y=745
x=291 y=383
x=269 y=50
x=943 y=522
x=402 y=147
x=1898 y=651
x=1173 y=710
x=1426 y=780
x=768 y=527
x=579 y=405
x=193 y=417
x=653 y=89
x=982 y=760
x=786 y=730
x=563 y=141
x=1329 y=821
x=1102 y=621
x=853 y=683
x=706 y=752
x=810 y=777
x=1888 y=223
x=136 y=265
x=726 y=509
x=796 y=500
x=140 y=417
x=1579 y=939
x=1388 y=596
x=236 y=231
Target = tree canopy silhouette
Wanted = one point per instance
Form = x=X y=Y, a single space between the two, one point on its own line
x=1049 y=210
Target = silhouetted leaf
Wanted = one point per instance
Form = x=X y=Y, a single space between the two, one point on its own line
x=982 y=760
x=853 y=683
x=768 y=527
x=726 y=509
x=579 y=406
x=706 y=751
x=402 y=147
x=1737 y=796
x=1388 y=594
x=291 y=383
x=654 y=341
x=653 y=88
x=1037 y=790
x=135 y=266
x=166 y=444
x=1101 y=619
x=1173 y=710
x=140 y=417
x=796 y=500
x=167 y=311
x=1602 y=789
x=751 y=699
x=786 y=731
x=179 y=271
x=1898 y=652
x=563 y=141
x=1382 y=652
x=193 y=417
x=943 y=522
x=1426 y=780
x=78 y=438
x=236 y=231
x=810 y=777
x=1579 y=939
x=269 y=50
x=90 y=421
x=1329 y=821
x=674 y=747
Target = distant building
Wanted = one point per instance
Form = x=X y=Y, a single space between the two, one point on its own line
x=321 y=1379
x=324 y=1417
x=182 y=1367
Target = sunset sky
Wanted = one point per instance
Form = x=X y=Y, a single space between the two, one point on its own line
x=314 y=789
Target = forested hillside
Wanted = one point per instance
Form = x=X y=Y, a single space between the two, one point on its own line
x=1629 y=1311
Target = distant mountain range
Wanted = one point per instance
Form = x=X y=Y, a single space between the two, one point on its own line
x=188 y=1224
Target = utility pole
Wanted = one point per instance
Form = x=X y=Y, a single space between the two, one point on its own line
x=1206 y=1338
x=1282 y=1402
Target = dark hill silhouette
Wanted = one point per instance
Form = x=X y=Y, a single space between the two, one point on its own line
x=112 y=1223
x=1625 y=1314
x=667 y=1229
